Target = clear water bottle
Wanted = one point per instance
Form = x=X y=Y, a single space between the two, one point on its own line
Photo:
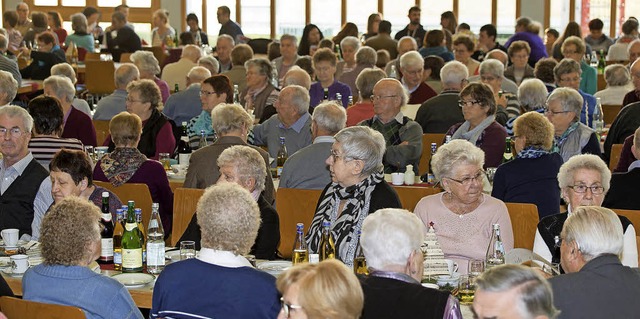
x=597 y=122
x=594 y=60
x=274 y=75
x=236 y=94
x=203 y=140
x=495 y=251
x=155 y=242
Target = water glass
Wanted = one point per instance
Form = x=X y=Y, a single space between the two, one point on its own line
x=187 y=249
x=476 y=267
x=165 y=159
x=466 y=289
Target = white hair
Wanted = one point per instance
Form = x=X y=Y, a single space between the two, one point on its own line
x=61 y=86
x=411 y=59
x=454 y=153
x=596 y=231
x=453 y=73
x=330 y=116
x=198 y=74
x=145 y=61
x=365 y=144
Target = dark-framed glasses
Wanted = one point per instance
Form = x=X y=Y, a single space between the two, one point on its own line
x=463 y=103
x=595 y=189
x=286 y=307
x=14 y=131
x=468 y=180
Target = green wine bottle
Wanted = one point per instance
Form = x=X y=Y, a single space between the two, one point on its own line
x=131 y=242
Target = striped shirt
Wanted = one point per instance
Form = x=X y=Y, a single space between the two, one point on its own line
x=45 y=147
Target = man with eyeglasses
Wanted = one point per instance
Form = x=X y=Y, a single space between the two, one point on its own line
x=25 y=189
x=403 y=136
x=24 y=23
x=412 y=67
x=186 y=104
x=439 y=113
x=114 y=103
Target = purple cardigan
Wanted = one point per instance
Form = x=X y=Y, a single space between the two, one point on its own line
x=80 y=126
x=316 y=93
x=151 y=173
x=491 y=141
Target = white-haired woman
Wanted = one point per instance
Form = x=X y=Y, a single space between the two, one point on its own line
x=462 y=215
x=491 y=73
x=584 y=180
x=597 y=284
x=357 y=189
x=532 y=95
x=349 y=46
x=260 y=95
x=391 y=240
x=567 y=73
x=149 y=68
x=619 y=84
x=66 y=70
x=80 y=37
x=571 y=136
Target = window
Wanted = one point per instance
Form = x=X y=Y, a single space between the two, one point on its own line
x=559 y=14
x=396 y=12
x=109 y=3
x=431 y=11
x=326 y=14
x=139 y=3
x=289 y=17
x=213 y=27
x=143 y=30
x=74 y=3
x=624 y=10
x=596 y=9
x=45 y=3
x=256 y=18
x=506 y=17
x=358 y=12
x=475 y=15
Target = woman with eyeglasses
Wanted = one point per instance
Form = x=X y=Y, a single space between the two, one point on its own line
x=480 y=127
x=462 y=215
x=584 y=181
x=531 y=176
x=571 y=137
x=213 y=91
x=260 y=95
x=326 y=290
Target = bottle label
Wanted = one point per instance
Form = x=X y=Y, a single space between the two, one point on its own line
x=153 y=223
x=279 y=171
x=106 y=217
x=184 y=139
x=184 y=158
x=130 y=226
x=107 y=248
x=131 y=258
x=507 y=156
x=155 y=254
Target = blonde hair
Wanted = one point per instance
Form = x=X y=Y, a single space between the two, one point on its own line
x=125 y=129
x=537 y=129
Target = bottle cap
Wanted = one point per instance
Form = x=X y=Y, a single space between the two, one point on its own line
x=105 y=194
x=314 y=258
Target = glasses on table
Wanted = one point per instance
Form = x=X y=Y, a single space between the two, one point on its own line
x=468 y=180
x=596 y=190
x=286 y=307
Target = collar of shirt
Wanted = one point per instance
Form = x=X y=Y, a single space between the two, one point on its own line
x=66 y=115
x=223 y=258
x=20 y=165
x=298 y=125
x=398 y=117
x=633 y=165
x=411 y=90
x=324 y=139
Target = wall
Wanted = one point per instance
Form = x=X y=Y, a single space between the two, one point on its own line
x=175 y=16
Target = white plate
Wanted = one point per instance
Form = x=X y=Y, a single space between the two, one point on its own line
x=134 y=280
x=9 y=271
x=20 y=244
x=5 y=261
x=274 y=268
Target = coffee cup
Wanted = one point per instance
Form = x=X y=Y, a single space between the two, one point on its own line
x=397 y=178
x=10 y=237
x=19 y=264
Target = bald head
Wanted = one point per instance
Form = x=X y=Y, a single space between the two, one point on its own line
x=297 y=76
x=197 y=74
x=406 y=44
x=498 y=55
x=125 y=74
x=192 y=53
x=634 y=50
x=635 y=74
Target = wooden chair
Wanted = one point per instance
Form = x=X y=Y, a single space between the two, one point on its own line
x=185 y=201
x=15 y=308
x=294 y=206
x=99 y=77
x=158 y=52
x=411 y=195
x=601 y=83
x=616 y=151
x=427 y=139
x=524 y=222
x=125 y=58
x=132 y=191
x=610 y=112
x=634 y=217
x=102 y=130
x=92 y=56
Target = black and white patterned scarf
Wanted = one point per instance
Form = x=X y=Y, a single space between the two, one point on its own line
x=346 y=224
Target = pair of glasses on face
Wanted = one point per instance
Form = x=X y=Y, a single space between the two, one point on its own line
x=287 y=307
x=547 y=110
x=207 y=93
x=130 y=100
x=335 y=156
x=468 y=180
x=463 y=103
x=14 y=131
x=380 y=97
x=595 y=190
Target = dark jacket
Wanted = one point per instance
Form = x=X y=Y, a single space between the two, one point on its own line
x=624 y=192
x=40 y=67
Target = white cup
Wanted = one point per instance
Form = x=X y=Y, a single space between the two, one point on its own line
x=10 y=237
x=452 y=266
x=397 y=178
x=19 y=264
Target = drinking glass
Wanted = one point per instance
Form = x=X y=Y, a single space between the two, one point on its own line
x=466 y=289
x=187 y=249
x=165 y=159
x=476 y=267
x=90 y=152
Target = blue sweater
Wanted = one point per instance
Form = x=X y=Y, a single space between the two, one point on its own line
x=195 y=289
x=99 y=296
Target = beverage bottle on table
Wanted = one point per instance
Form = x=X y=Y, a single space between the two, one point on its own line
x=142 y=234
x=118 y=230
x=594 y=59
x=339 y=99
x=106 y=234
x=300 y=251
x=495 y=251
x=155 y=242
x=602 y=63
x=359 y=261
x=184 y=149
x=507 y=156
x=236 y=94
x=282 y=157
x=203 y=140
x=325 y=95
x=131 y=242
x=597 y=122
x=431 y=178
x=327 y=244
x=176 y=88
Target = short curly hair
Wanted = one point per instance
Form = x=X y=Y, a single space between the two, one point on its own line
x=247 y=163
x=517 y=46
x=125 y=128
x=229 y=117
x=76 y=163
x=544 y=70
x=149 y=92
x=326 y=55
x=70 y=232
x=536 y=128
x=454 y=153
x=584 y=161
x=229 y=218
x=577 y=42
x=466 y=41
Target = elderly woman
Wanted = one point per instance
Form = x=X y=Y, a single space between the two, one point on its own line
x=532 y=95
x=573 y=48
x=412 y=67
x=591 y=244
x=531 y=176
x=324 y=67
x=47 y=55
x=391 y=240
x=80 y=37
x=245 y=166
x=48 y=120
x=543 y=71
x=349 y=46
x=567 y=73
x=126 y=164
x=357 y=189
x=366 y=57
x=480 y=127
x=463 y=49
x=260 y=95
x=9 y=22
x=311 y=36
x=213 y=91
x=584 y=181
x=70 y=242
x=462 y=215
x=571 y=136
x=492 y=73
x=66 y=70
x=54 y=20
x=143 y=100
x=210 y=63
x=71 y=175
x=619 y=83
x=326 y=290
x=435 y=44
x=365 y=82
x=149 y=68
x=220 y=282
x=519 y=69
x=162 y=33
x=77 y=124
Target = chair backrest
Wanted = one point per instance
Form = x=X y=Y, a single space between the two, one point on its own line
x=411 y=195
x=92 y=56
x=524 y=222
x=99 y=76
x=102 y=130
x=259 y=46
x=125 y=57
x=427 y=139
x=132 y=191
x=294 y=206
x=15 y=308
x=634 y=217
x=610 y=111
x=614 y=158
x=185 y=201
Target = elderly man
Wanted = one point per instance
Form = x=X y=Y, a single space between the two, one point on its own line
x=487 y=42
x=405 y=44
x=366 y=57
x=8 y=88
x=185 y=105
x=363 y=109
x=293 y=122
x=507 y=85
x=412 y=67
x=210 y=63
x=120 y=38
x=220 y=282
x=7 y=64
x=288 y=56
x=297 y=76
x=228 y=26
x=414 y=29
x=383 y=40
x=634 y=51
x=439 y=113
x=173 y=73
x=596 y=284
x=24 y=23
x=402 y=135
x=515 y=292
x=634 y=96
x=224 y=45
x=240 y=54
x=114 y=103
x=25 y=188
x=306 y=169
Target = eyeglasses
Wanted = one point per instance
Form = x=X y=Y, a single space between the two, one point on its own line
x=286 y=307
x=573 y=79
x=566 y=52
x=207 y=93
x=15 y=131
x=549 y=111
x=463 y=103
x=380 y=97
x=334 y=154
x=130 y=100
x=596 y=190
x=468 y=180
x=487 y=78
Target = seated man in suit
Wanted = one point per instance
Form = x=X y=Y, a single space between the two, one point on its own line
x=623 y=193
x=121 y=39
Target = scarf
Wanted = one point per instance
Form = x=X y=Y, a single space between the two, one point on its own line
x=472 y=136
x=345 y=224
x=558 y=140
x=120 y=165
x=532 y=152
x=250 y=96
x=199 y=123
